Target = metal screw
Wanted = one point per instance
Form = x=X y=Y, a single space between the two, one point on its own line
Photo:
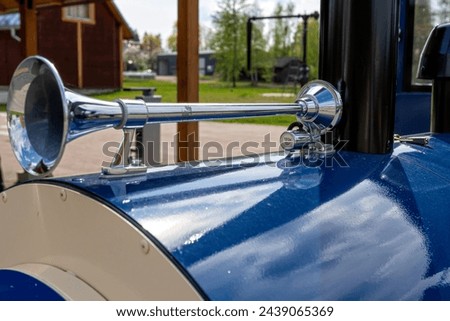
x=145 y=247
x=63 y=195
x=136 y=162
x=4 y=197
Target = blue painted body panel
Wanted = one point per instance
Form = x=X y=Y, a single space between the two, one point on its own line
x=17 y=286
x=412 y=113
x=369 y=227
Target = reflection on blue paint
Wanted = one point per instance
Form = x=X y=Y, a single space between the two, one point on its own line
x=359 y=245
x=375 y=230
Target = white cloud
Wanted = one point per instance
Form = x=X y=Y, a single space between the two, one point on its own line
x=158 y=17
x=151 y=16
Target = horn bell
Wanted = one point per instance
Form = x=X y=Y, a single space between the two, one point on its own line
x=37 y=115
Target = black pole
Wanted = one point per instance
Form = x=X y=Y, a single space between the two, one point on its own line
x=305 y=18
x=305 y=37
x=358 y=54
x=249 y=43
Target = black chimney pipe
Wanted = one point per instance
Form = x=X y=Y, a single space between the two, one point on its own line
x=358 y=54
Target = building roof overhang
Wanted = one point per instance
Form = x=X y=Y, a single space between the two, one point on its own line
x=11 y=6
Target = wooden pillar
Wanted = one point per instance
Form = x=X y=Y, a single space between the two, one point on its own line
x=187 y=76
x=28 y=27
x=120 y=55
x=80 y=54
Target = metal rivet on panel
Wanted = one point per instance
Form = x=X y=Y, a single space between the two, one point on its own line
x=145 y=246
x=63 y=195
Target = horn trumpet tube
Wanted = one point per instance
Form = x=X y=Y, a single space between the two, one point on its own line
x=43 y=116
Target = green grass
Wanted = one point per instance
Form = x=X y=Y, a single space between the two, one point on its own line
x=273 y=121
x=165 y=88
x=215 y=92
x=211 y=92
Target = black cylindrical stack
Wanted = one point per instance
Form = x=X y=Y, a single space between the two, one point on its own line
x=358 y=54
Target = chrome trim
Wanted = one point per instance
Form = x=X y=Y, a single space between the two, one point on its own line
x=43 y=116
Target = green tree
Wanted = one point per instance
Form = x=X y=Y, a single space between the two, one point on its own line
x=229 y=41
x=172 y=39
x=261 y=62
x=134 y=58
x=312 y=46
x=135 y=35
x=151 y=46
x=206 y=35
x=281 y=32
x=443 y=13
x=277 y=33
x=204 y=38
x=423 y=24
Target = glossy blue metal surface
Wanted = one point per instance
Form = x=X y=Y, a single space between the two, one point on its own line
x=359 y=227
x=412 y=113
x=17 y=286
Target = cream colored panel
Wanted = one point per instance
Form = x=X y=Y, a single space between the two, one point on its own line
x=47 y=224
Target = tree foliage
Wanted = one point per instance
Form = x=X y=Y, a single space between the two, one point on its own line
x=134 y=57
x=443 y=14
x=284 y=39
x=282 y=31
x=312 y=45
x=422 y=27
x=151 y=45
x=261 y=62
x=172 y=40
x=229 y=41
x=205 y=35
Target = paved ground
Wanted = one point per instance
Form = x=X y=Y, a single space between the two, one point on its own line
x=85 y=154
x=3 y=94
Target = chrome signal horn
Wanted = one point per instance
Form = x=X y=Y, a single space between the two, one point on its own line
x=43 y=116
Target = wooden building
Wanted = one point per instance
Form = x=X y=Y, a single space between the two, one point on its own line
x=167 y=63
x=82 y=38
x=187 y=47
x=10 y=51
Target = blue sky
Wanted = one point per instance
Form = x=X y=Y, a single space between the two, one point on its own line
x=158 y=16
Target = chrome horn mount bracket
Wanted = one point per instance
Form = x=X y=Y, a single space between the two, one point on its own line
x=128 y=160
x=323 y=105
